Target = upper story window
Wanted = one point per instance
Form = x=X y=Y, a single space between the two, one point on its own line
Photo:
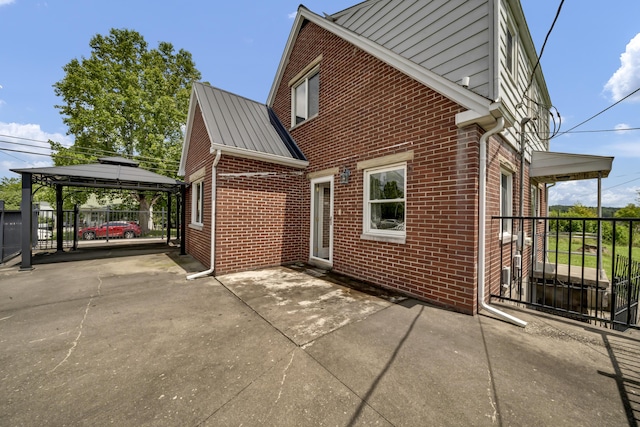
x=305 y=95
x=510 y=51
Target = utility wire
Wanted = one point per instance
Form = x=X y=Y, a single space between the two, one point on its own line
x=72 y=158
x=542 y=49
x=597 y=114
x=597 y=130
x=81 y=150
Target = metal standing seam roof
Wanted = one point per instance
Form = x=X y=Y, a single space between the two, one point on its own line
x=111 y=172
x=237 y=122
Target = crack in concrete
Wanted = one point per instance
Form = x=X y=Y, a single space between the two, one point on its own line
x=493 y=416
x=284 y=377
x=74 y=344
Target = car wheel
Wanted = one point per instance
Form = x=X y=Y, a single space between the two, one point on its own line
x=89 y=235
x=129 y=234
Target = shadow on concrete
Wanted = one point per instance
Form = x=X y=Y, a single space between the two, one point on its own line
x=624 y=353
x=119 y=250
x=365 y=399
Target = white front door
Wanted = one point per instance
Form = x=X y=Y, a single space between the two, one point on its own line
x=322 y=220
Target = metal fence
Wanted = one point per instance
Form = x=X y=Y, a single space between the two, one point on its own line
x=99 y=225
x=587 y=269
x=10 y=233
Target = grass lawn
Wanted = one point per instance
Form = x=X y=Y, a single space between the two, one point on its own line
x=590 y=258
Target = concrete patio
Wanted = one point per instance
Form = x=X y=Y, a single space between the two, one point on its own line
x=119 y=336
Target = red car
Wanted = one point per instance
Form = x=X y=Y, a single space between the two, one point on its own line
x=125 y=229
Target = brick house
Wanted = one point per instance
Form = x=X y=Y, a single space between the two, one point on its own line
x=390 y=138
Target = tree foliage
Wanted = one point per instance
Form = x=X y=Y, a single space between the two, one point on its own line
x=11 y=193
x=126 y=100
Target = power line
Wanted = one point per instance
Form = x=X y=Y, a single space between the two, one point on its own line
x=81 y=150
x=533 y=72
x=71 y=158
x=597 y=114
x=598 y=130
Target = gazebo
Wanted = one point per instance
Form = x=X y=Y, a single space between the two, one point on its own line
x=109 y=172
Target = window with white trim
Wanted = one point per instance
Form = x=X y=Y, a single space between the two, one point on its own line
x=385 y=200
x=510 y=53
x=536 y=196
x=506 y=200
x=305 y=97
x=197 y=202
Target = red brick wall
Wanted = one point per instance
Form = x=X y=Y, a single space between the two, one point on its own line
x=368 y=110
x=198 y=242
x=260 y=218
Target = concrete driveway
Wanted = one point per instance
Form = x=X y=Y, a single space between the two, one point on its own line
x=120 y=337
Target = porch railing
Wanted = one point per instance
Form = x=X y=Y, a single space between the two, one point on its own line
x=587 y=269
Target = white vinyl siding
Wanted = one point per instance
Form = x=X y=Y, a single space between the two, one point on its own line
x=451 y=38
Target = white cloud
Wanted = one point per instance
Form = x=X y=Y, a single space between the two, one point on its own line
x=29 y=145
x=292 y=15
x=586 y=193
x=627 y=78
x=5 y=2
x=622 y=127
x=624 y=149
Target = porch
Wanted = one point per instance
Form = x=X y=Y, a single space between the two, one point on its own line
x=587 y=269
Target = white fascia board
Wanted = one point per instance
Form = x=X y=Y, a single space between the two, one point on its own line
x=486 y=121
x=464 y=97
x=187 y=134
x=255 y=155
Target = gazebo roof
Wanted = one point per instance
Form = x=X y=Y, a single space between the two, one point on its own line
x=110 y=172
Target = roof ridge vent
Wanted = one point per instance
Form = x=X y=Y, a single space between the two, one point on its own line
x=120 y=161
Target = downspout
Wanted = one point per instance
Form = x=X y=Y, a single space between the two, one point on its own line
x=482 y=194
x=213 y=221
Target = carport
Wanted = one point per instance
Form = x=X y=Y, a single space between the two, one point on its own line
x=109 y=172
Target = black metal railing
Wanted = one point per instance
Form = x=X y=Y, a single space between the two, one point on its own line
x=101 y=224
x=583 y=268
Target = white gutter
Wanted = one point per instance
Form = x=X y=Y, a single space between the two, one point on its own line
x=482 y=194
x=213 y=221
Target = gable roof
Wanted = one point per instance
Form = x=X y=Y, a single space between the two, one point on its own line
x=349 y=27
x=110 y=172
x=240 y=127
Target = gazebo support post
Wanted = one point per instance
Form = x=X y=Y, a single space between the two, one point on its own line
x=26 y=208
x=59 y=219
x=183 y=219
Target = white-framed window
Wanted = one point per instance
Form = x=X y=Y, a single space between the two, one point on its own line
x=510 y=50
x=305 y=97
x=385 y=201
x=506 y=200
x=197 y=202
x=536 y=196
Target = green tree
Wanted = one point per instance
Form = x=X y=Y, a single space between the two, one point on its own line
x=11 y=193
x=629 y=211
x=126 y=99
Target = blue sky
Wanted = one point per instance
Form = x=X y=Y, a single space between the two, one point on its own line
x=591 y=60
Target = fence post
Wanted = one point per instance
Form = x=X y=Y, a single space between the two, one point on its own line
x=1 y=230
x=107 y=223
x=76 y=212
